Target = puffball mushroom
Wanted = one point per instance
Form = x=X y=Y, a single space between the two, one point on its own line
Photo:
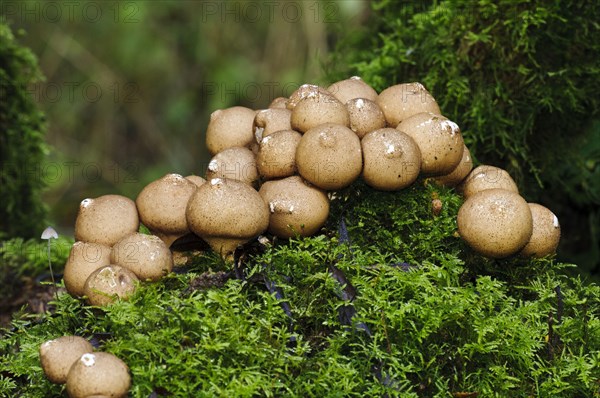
x=161 y=206
x=329 y=156
x=227 y=213
x=495 y=223
x=351 y=88
x=197 y=180
x=269 y=121
x=84 y=259
x=487 y=177
x=546 y=232
x=459 y=173
x=297 y=209
x=230 y=127
x=147 y=256
x=106 y=219
x=98 y=374
x=279 y=103
x=401 y=101
x=109 y=283
x=58 y=355
x=276 y=156
x=318 y=107
x=439 y=140
x=365 y=116
x=302 y=92
x=236 y=163
x=392 y=159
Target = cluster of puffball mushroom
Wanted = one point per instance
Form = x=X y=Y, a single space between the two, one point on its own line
x=272 y=170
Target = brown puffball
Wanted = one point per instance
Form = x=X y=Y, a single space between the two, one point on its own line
x=279 y=103
x=84 y=259
x=106 y=219
x=236 y=163
x=109 y=283
x=329 y=156
x=401 y=101
x=302 y=92
x=58 y=355
x=439 y=140
x=365 y=116
x=227 y=213
x=269 y=121
x=297 y=209
x=161 y=206
x=392 y=160
x=147 y=256
x=318 y=108
x=495 y=223
x=276 y=156
x=98 y=374
x=351 y=88
x=459 y=173
x=487 y=177
x=197 y=180
x=230 y=127
x=546 y=233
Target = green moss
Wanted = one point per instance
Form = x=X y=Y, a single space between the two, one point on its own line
x=22 y=149
x=440 y=318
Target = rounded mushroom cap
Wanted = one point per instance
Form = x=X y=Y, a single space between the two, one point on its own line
x=84 y=259
x=546 y=232
x=439 y=140
x=196 y=180
x=106 y=219
x=365 y=116
x=161 y=206
x=98 y=374
x=318 y=108
x=230 y=127
x=277 y=154
x=147 y=256
x=296 y=207
x=401 y=101
x=496 y=223
x=329 y=156
x=109 y=283
x=302 y=92
x=348 y=89
x=459 y=173
x=237 y=163
x=392 y=160
x=269 y=121
x=487 y=177
x=279 y=103
x=227 y=213
x=58 y=355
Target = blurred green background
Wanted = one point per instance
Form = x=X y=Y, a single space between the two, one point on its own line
x=130 y=85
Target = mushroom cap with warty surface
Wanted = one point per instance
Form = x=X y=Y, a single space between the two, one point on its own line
x=236 y=163
x=401 y=101
x=546 y=232
x=329 y=156
x=276 y=156
x=230 y=127
x=147 y=256
x=487 y=177
x=58 y=355
x=106 y=219
x=392 y=159
x=439 y=140
x=302 y=92
x=98 y=374
x=317 y=108
x=354 y=87
x=297 y=208
x=227 y=213
x=109 y=283
x=84 y=259
x=365 y=116
x=268 y=121
x=495 y=223
x=161 y=206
